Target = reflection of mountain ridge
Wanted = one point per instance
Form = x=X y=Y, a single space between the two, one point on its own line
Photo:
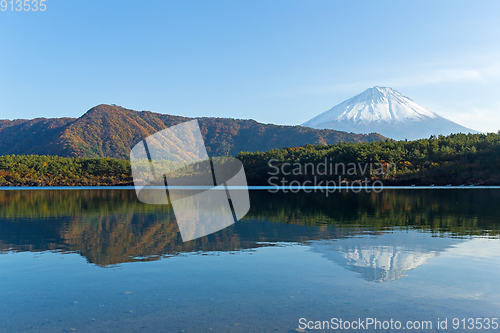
x=112 y=226
x=386 y=256
x=113 y=239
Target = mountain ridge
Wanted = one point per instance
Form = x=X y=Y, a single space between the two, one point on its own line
x=111 y=131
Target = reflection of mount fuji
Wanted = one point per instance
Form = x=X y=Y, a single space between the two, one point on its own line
x=111 y=226
x=385 y=257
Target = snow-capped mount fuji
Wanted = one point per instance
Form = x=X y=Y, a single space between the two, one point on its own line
x=385 y=111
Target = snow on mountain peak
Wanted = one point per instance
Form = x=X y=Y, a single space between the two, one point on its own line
x=381 y=104
x=388 y=112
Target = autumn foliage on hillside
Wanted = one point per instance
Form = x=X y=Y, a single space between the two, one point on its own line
x=458 y=159
x=111 y=131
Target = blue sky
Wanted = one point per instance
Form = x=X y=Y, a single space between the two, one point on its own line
x=273 y=61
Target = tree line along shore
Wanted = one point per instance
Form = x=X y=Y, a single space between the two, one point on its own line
x=457 y=159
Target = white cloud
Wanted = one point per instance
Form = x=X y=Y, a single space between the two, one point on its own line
x=480 y=247
x=483 y=119
x=478 y=73
x=430 y=77
x=440 y=76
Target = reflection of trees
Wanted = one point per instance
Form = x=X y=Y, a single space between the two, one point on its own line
x=54 y=203
x=110 y=227
x=117 y=238
x=112 y=239
x=460 y=212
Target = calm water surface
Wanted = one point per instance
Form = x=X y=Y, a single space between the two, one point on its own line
x=100 y=261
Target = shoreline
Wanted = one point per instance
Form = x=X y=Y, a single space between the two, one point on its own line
x=253 y=188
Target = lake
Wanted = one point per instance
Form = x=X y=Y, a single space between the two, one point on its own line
x=100 y=261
